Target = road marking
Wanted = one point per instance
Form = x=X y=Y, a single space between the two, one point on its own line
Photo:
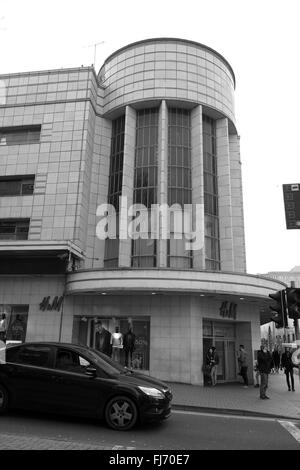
x=291 y=428
x=221 y=415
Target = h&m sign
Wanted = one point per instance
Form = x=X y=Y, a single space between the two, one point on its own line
x=228 y=309
x=46 y=304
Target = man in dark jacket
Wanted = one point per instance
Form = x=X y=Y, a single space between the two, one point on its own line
x=212 y=360
x=287 y=363
x=129 y=346
x=102 y=339
x=264 y=365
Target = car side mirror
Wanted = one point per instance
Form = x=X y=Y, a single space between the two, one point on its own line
x=91 y=371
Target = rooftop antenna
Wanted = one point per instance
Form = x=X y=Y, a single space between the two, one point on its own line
x=95 y=49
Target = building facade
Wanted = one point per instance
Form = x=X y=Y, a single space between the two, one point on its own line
x=156 y=126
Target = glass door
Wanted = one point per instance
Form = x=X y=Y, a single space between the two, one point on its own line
x=220 y=349
x=230 y=361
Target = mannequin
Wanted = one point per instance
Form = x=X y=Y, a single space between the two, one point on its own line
x=129 y=346
x=116 y=341
x=3 y=327
x=102 y=339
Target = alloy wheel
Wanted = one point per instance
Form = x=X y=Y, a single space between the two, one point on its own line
x=121 y=413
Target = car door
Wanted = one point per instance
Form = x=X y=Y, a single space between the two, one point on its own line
x=75 y=391
x=29 y=376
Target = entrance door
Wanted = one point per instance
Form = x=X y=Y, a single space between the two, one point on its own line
x=231 y=361
x=221 y=351
x=227 y=362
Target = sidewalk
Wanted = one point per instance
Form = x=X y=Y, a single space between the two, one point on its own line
x=233 y=398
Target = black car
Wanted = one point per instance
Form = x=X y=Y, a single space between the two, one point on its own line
x=74 y=379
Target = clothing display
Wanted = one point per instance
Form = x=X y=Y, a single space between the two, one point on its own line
x=3 y=327
x=117 y=344
x=117 y=340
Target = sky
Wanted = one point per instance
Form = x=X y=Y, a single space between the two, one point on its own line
x=259 y=38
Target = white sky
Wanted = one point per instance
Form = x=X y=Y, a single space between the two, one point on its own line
x=259 y=38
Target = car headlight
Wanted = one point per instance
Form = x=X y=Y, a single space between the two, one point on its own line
x=152 y=392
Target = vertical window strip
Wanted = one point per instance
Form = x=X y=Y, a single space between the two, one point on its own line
x=211 y=208
x=145 y=180
x=111 y=256
x=179 y=179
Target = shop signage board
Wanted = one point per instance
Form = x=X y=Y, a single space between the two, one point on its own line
x=46 y=303
x=228 y=309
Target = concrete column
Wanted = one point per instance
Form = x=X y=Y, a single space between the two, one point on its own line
x=197 y=178
x=237 y=204
x=224 y=191
x=99 y=189
x=162 y=190
x=128 y=181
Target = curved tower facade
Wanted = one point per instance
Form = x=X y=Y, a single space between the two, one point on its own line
x=121 y=202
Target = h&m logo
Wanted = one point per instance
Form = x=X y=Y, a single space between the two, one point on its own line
x=228 y=309
x=55 y=305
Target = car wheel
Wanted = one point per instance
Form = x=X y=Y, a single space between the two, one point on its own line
x=121 y=413
x=3 y=399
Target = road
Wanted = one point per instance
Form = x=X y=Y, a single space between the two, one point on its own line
x=183 y=431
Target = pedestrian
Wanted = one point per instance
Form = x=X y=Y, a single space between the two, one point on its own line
x=243 y=364
x=129 y=346
x=102 y=338
x=287 y=363
x=264 y=364
x=276 y=360
x=212 y=360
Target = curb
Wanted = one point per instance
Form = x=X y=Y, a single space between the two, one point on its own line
x=223 y=411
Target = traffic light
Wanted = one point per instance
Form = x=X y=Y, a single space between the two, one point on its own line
x=279 y=309
x=293 y=302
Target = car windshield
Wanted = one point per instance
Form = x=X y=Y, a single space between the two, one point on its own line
x=106 y=364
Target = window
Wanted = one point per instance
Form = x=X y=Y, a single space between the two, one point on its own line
x=179 y=160
x=34 y=355
x=70 y=361
x=16 y=186
x=143 y=253
x=179 y=180
x=111 y=256
x=12 y=229
x=145 y=181
x=85 y=334
x=116 y=162
x=20 y=135
x=145 y=171
x=16 y=317
x=211 y=208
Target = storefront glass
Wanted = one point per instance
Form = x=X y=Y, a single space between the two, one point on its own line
x=221 y=335
x=86 y=332
x=13 y=323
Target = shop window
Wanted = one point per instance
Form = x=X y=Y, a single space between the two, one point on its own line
x=86 y=332
x=15 y=322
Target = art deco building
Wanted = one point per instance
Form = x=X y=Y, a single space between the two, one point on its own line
x=155 y=126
